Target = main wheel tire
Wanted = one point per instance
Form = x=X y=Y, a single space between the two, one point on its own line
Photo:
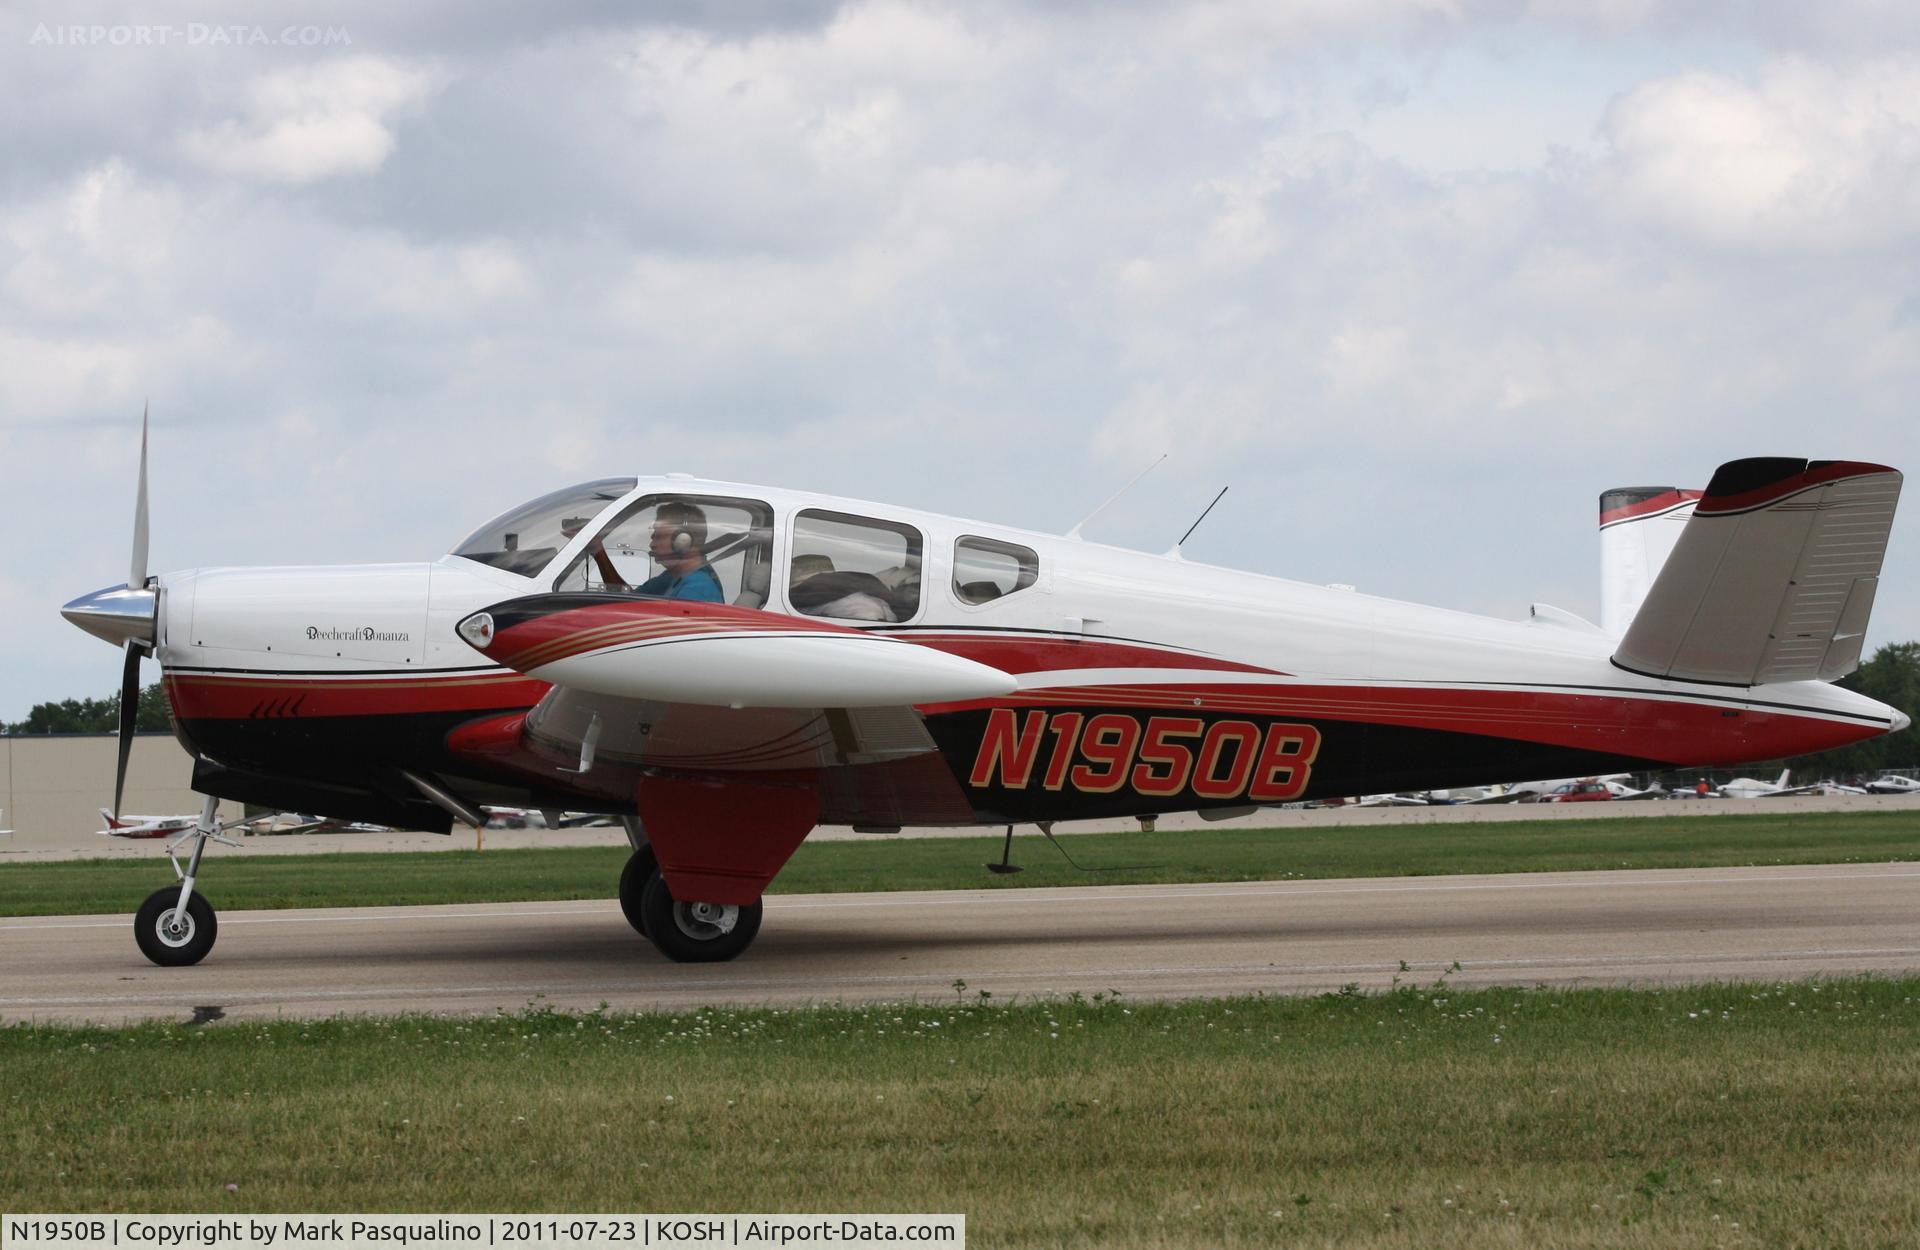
x=166 y=938
x=695 y=933
x=641 y=865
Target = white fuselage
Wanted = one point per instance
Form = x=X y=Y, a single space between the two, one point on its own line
x=390 y=619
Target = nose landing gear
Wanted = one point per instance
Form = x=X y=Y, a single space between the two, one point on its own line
x=175 y=927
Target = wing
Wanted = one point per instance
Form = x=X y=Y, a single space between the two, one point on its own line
x=718 y=655
x=1772 y=579
x=644 y=686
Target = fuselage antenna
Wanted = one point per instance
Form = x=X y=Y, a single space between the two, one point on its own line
x=1074 y=533
x=1174 y=551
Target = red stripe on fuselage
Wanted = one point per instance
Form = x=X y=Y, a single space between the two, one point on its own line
x=1614 y=724
x=235 y=697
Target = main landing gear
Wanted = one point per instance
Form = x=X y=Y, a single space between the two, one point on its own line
x=175 y=927
x=685 y=932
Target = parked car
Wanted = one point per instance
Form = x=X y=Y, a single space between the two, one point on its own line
x=1579 y=792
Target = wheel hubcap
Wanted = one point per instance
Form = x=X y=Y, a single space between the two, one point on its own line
x=175 y=927
x=705 y=922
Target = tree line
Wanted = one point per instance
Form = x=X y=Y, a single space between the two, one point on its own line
x=1893 y=677
x=92 y=716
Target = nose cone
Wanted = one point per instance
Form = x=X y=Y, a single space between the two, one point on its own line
x=116 y=615
x=1900 y=721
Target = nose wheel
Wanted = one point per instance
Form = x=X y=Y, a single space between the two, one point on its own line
x=170 y=936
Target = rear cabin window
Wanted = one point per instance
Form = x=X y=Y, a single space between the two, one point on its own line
x=985 y=570
x=853 y=567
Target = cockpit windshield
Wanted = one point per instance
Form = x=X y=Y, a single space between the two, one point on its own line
x=526 y=540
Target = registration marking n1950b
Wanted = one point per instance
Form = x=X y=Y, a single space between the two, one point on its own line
x=1161 y=757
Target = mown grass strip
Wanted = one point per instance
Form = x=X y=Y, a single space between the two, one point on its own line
x=233 y=880
x=1725 y=1115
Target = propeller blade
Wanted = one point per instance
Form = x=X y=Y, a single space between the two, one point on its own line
x=129 y=710
x=137 y=577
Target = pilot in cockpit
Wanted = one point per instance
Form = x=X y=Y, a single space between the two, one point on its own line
x=678 y=545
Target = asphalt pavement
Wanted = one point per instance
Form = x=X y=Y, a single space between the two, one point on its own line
x=1651 y=927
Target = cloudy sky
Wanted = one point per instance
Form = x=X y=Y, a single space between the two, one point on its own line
x=1416 y=278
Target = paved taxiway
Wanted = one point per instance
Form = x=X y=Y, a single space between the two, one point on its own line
x=1636 y=927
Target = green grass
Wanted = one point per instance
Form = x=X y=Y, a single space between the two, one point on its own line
x=1785 y=1115
x=234 y=880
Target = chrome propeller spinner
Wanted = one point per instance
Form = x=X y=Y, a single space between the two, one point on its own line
x=128 y=617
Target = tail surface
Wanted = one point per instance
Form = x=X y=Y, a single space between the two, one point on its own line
x=1772 y=578
x=1639 y=526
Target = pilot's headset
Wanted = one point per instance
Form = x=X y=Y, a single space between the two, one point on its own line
x=689 y=527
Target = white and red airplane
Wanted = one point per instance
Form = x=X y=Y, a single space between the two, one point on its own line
x=131 y=826
x=725 y=667
x=1754 y=788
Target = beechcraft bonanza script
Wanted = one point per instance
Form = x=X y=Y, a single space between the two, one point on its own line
x=723 y=667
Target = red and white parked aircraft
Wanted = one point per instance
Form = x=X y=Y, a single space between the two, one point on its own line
x=727 y=666
x=130 y=826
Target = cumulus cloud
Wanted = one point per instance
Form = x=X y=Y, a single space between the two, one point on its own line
x=91 y=247
x=311 y=123
x=989 y=259
x=1807 y=156
x=387 y=276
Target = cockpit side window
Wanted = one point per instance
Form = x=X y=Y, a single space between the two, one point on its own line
x=985 y=569
x=526 y=540
x=854 y=567
x=701 y=547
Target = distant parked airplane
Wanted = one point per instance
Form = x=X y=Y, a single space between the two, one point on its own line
x=144 y=826
x=1748 y=788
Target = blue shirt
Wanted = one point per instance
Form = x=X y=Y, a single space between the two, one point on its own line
x=700 y=584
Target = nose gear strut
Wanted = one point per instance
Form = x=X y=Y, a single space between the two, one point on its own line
x=175 y=927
